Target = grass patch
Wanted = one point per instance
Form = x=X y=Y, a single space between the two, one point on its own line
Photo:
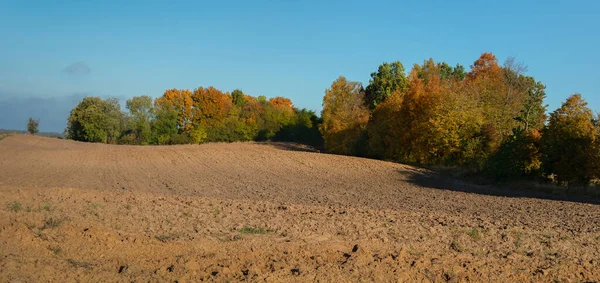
x=52 y=222
x=3 y=136
x=166 y=237
x=518 y=239
x=55 y=250
x=46 y=207
x=14 y=206
x=253 y=230
x=78 y=263
x=474 y=234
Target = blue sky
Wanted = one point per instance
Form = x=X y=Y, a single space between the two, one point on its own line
x=52 y=53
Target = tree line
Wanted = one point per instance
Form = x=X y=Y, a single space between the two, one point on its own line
x=181 y=116
x=489 y=119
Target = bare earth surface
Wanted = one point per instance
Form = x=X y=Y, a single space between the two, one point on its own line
x=261 y=212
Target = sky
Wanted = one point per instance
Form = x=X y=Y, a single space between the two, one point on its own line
x=53 y=53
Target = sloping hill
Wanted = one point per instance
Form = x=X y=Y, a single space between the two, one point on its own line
x=262 y=211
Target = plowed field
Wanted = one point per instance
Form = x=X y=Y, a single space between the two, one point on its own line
x=75 y=211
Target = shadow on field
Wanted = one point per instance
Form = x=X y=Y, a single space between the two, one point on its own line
x=292 y=146
x=436 y=180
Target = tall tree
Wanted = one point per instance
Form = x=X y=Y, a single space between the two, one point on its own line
x=569 y=142
x=165 y=123
x=238 y=98
x=141 y=112
x=344 y=117
x=388 y=78
x=533 y=111
x=32 y=126
x=182 y=102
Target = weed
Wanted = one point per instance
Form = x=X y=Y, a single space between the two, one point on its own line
x=128 y=207
x=55 y=250
x=217 y=211
x=165 y=238
x=52 y=222
x=78 y=263
x=253 y=230
x=456 y=246
x=475 y=234
x=95 y=206
x=14 y=206
x=117 y=227
x=518 y=236
x=46 y=207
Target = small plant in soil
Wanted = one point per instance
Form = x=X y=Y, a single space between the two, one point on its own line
x=51 y=222
x=475 y=234
x=165 y=238
x=46 y=207
x=55 y=250
x=14 y=206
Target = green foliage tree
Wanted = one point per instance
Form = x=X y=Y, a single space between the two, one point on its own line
x=32 y=126
x=388 y=78
x=141 y=113
x=95 y=120
x=238 y=98
x=569 y=144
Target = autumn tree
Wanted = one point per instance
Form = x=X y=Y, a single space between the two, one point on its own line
x=183 y=104
x=344 y=117
x=569 y=143
x=385 y=129
x=32 y=126
x=388 y=78
x=210 y=106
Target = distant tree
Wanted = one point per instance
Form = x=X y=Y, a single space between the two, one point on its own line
x=238 y=98
x=210 y=107
x=533 y=111
x=569 y=143
x=95 y=120
x=385 y=129
x=388 y=78
x=32 y=126
x=344 y=117
x=141 y=113
x=181 y=101
x=458 y=73
x=164 y=127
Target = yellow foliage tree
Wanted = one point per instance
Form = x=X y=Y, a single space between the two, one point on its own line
x=344 y=117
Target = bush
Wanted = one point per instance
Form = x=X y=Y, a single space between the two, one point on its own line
x=517 y=157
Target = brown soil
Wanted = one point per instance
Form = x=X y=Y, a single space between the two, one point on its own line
x=243 y=211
